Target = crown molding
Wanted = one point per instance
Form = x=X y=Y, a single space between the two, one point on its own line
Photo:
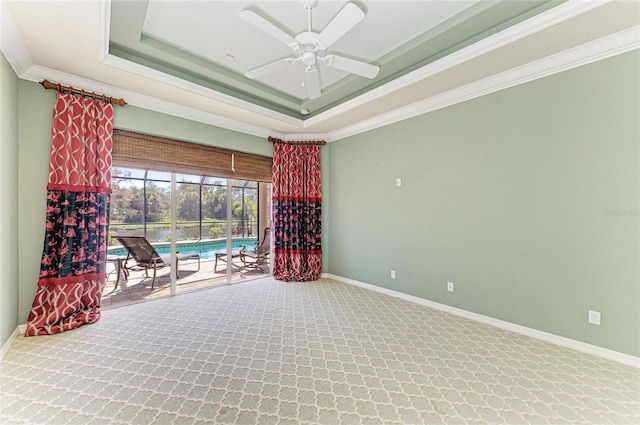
x=198 y=90
x=190 y=87
x=594 y=51
x=304 y=136
x=11 y=43
x=17 y=54
x=38 y=73
x=173 y=81
x=105 y=27
x=517 y=32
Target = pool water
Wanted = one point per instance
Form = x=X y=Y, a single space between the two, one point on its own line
x=206 y=249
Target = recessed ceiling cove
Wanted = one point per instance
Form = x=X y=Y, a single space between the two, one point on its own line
x=212 y=43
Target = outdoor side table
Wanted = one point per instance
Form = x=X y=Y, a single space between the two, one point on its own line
x=120 y=263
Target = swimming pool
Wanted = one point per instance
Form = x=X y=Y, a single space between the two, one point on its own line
x=206 y=249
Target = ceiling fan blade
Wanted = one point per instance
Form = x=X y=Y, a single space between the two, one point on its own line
x=261 y=23
x=312 y=83
x=346 y=19
x=353 y=66
x=266 y=69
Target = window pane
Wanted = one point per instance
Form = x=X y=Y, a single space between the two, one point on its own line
x=158 y=175
x=126 y=210
x=244 y=209
x=188 y=215
x=244 y=183
x=158 y=212
x=215 y=180
x=127 y=172
x=188 y=178
x=122 y=183
x=201 y=207
x=214 y=211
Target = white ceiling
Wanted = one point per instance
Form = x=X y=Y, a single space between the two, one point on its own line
x=196 y=27
x=426 y=61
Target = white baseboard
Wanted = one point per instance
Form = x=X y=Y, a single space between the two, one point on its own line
x=20 y=330
x=534 y=333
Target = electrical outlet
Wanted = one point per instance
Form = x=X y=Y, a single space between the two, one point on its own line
x=450 y=286
x=594 y=317
x=393 y=274
x=398 y=182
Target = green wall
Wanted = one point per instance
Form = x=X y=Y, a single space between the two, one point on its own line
x=35 y=106
x=325 y=179
x=145 y=121
x=9 y=319
x=527 y=199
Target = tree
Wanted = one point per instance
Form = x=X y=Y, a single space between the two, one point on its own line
x=188 y=197
x=214 y=202
x=133 y=211
x=158 y=202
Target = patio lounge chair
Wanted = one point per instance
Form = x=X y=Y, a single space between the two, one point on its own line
x=146 y=256
x=259 y=256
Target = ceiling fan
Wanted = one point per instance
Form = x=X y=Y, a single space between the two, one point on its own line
x=310 y=48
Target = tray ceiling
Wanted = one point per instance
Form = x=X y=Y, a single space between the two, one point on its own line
x=174 y=56
x=208 y=44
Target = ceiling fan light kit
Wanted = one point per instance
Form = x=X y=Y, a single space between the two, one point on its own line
x=310 y=48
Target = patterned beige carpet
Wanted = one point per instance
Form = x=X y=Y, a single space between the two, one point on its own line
x=268 y=352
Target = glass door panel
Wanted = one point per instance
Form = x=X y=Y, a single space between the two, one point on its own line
x=141 y=206
x=157 y=207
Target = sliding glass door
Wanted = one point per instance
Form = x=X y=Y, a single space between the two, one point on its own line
x=215 y=221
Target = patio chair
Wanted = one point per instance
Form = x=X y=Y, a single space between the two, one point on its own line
x=259 y=256
x=222 y=256
x=146 y=256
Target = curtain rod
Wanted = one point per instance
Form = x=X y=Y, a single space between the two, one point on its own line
x=59 y=87
x=297 y=142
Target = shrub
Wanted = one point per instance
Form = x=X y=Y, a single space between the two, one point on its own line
x=215 y=232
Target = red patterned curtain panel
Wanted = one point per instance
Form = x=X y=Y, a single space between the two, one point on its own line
x=296 y=212
x=72 y=270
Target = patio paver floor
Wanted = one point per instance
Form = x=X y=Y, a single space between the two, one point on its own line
x=137 y=288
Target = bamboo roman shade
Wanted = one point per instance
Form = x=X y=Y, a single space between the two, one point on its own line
x=136 y=150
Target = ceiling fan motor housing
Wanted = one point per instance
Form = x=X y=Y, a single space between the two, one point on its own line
x=309 y=47
x=309 y=58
